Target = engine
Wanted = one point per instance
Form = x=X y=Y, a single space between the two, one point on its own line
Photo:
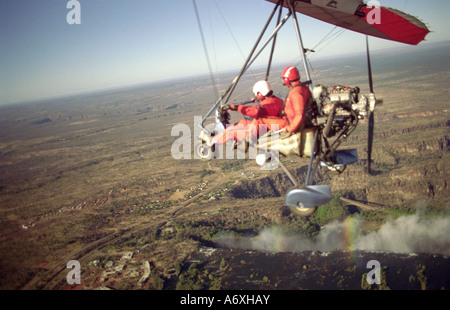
x=339 y=108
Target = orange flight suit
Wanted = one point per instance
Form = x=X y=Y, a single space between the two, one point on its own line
x=297 y=111
x=267 y=111
x=298 y=108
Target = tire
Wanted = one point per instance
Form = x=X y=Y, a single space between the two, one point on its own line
x=303 y=212
x=338 y=169
x=203 y=151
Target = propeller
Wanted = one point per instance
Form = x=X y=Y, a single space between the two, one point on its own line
x=372 y=102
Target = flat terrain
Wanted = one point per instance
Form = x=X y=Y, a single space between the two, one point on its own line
x=92 y=178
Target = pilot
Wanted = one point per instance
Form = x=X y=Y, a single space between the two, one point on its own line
x=298 y=106
x=269 y=109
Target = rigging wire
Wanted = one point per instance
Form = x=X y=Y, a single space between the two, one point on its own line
x=212 y=37
x=229 y=29
x=245 y=90
x=334 y=37
x=328 y=39
x=235 y=42
x=213 y=79
x=205 y=50
x=324 y=38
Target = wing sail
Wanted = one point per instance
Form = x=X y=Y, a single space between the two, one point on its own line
x=355 y=15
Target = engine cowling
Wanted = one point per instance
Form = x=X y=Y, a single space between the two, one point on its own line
x=340 y=107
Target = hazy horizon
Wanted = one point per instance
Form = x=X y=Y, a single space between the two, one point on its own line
x=317 y=62
x=126 y=43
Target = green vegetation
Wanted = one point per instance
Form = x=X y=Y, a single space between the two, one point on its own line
x=232 y=165
x=333 y=210
x=191 y=279
x=218 y=193
x=204 y=172
x=383 y=286
x=194 y=278
x=420 y=276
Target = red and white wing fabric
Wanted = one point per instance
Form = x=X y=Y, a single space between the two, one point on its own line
x=366 y=18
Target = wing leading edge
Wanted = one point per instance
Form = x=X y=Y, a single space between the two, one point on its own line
x=355 y=15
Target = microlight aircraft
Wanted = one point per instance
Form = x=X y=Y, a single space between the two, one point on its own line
x=337 y=109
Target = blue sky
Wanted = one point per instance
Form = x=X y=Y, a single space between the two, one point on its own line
x=127 y=42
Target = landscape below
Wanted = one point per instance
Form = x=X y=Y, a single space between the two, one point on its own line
x=92 y=178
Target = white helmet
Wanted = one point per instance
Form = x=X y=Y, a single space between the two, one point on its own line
x=262 y=87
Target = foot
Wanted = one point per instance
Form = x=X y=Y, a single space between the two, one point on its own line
x=209 y=141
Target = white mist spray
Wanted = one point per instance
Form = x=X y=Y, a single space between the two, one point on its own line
x=406 y=234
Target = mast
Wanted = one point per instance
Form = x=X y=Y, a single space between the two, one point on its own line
x=300 y=42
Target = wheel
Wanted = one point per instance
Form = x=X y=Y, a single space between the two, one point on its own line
x=338 y=169
x=303 y=212
x=203 y=151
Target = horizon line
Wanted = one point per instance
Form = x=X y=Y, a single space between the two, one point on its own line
x=205 y=75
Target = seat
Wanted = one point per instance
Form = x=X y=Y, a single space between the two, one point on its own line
x=298 y=143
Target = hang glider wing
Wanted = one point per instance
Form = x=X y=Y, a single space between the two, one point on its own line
x=381 y=22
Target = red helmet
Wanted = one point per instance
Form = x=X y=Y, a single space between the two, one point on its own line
x=290 y=74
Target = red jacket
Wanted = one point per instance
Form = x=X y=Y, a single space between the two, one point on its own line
x=270 y=106
x=297 y=107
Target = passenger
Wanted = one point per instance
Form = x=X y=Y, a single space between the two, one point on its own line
x=298 y=106
x=268 y=110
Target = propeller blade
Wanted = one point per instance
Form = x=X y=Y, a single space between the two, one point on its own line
x=369 y=66
x=370 y=140
x=371 y=109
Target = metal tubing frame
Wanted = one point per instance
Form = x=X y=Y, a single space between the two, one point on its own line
x=300 y=42
x=274 y=33
x=245 y=66
x=308 y=174
x=274 y=40
x=248 y=62
x=209 y=113
x=289 y=175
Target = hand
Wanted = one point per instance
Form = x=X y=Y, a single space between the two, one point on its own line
x=232 y=107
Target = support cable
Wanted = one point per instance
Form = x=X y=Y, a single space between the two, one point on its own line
x=205 y=50
x=280 y=3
